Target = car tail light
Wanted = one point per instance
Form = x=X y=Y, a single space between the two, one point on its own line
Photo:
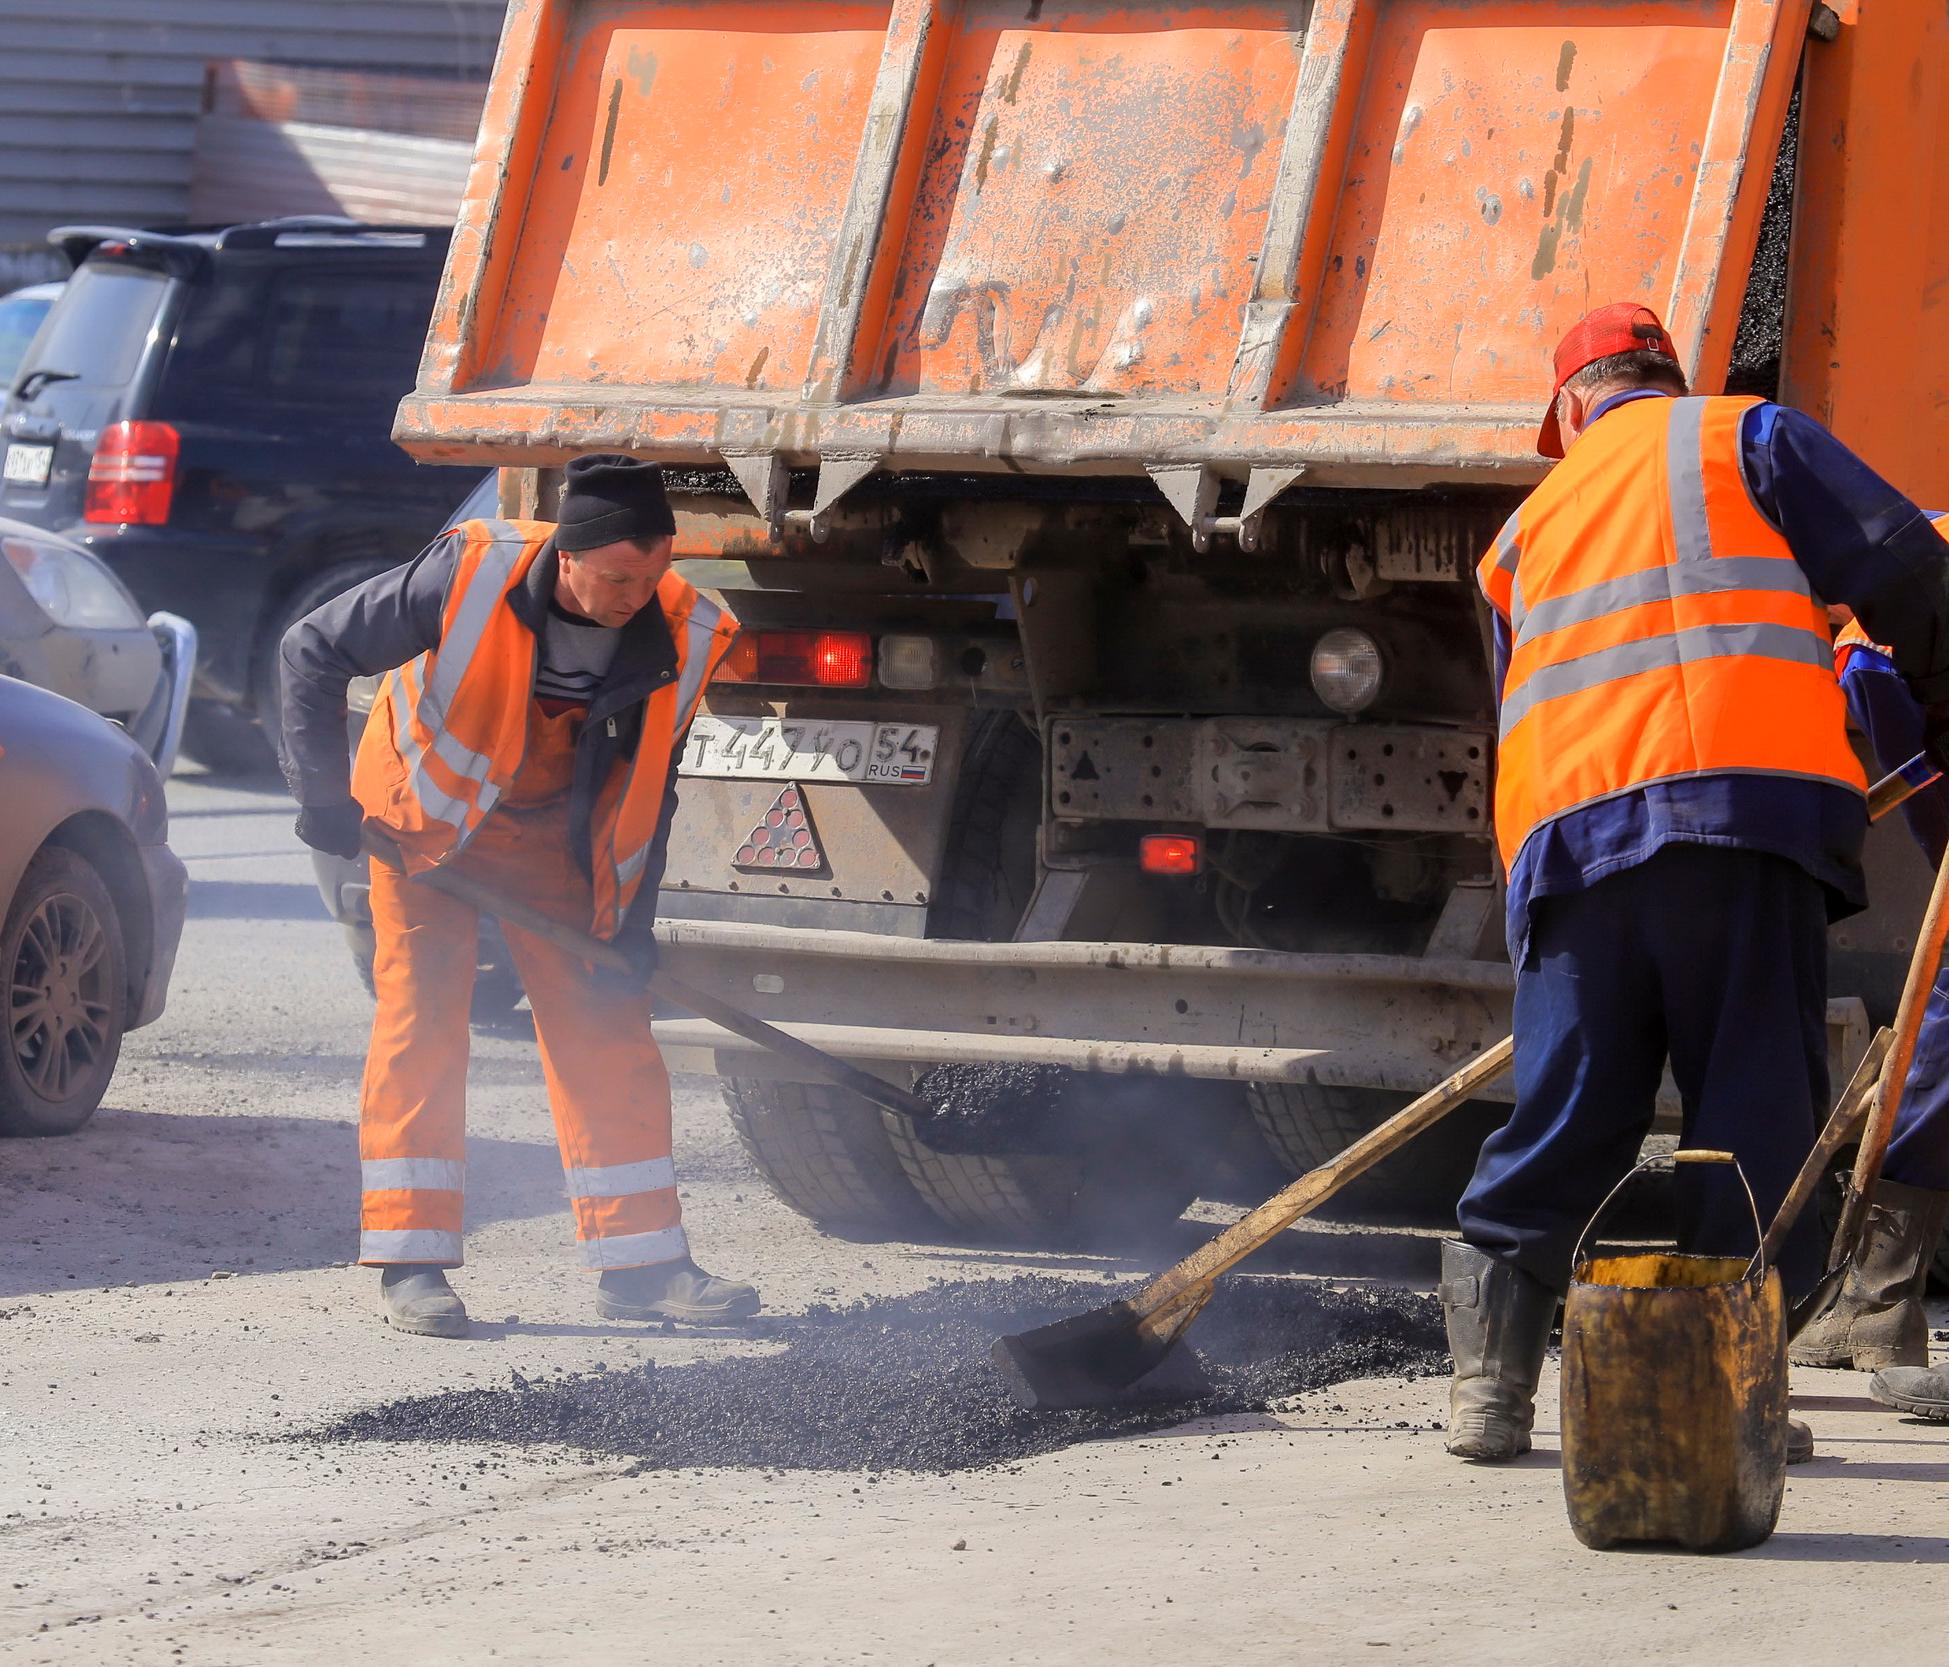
x=1175 y=854
x=133 y=475
x=813 y=659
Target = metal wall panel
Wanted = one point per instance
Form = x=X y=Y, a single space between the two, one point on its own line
x=99 y=98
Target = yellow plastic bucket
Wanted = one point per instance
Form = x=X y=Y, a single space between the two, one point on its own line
x=1674 y=1393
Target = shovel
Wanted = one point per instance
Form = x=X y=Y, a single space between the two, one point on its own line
x=701 y=1002
x=1923 y=968
x=1131 y=1346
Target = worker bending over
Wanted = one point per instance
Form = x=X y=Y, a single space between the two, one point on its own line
x=541 y=680
x=1680 y=813
x=1874 y=1317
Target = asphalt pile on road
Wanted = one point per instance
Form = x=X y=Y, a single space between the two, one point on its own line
x=906 y=1383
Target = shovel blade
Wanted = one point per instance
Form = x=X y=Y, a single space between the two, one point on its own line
x=1101 y=1358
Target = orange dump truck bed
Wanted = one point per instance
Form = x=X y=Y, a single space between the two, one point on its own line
x=1064 y=236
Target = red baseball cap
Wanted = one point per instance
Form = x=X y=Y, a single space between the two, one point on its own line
x=1622 y=327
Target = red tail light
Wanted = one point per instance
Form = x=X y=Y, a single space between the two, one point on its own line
x=1175 y=854
x=133 y=475
x=814 y=659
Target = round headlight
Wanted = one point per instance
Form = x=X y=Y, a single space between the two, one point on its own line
x=1346 y=670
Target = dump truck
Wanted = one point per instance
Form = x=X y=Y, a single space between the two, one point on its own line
x=1095 y=412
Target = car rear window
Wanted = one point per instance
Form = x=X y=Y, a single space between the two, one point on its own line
x=95 y=333
x=346 y=337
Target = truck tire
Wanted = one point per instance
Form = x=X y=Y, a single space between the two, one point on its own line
x=61 y=950
x=1310 y=1123
x=1096 y=1191
x=826 y=1154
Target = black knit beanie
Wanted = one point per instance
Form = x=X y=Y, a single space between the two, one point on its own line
x=607 y=498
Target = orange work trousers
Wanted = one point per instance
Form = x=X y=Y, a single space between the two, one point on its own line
x=607 y=1085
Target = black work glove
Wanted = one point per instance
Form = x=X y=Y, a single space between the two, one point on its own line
x=333 y=829
x=638 y=946
x=1935 y=733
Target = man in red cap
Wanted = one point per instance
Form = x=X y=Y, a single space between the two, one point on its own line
x=1680 y=813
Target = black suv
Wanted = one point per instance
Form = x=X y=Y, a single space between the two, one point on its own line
x=210 y=411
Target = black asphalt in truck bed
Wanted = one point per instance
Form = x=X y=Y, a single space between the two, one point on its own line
x=906 y=1384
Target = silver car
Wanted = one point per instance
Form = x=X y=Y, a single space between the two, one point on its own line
x=91 y=905
x=68 y=624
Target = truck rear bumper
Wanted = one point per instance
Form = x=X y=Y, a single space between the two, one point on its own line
x=896 y=1006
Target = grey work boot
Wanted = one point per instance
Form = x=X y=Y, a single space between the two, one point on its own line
x=1919 y=1391
x=1499 y=1320
x=1800 y=1442
x=415 y=1297
x=679 y=1290
x=1875 y=1318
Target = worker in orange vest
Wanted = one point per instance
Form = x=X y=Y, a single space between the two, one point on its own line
x=1680 y=814
x=1874 y=1317
x=539 y=683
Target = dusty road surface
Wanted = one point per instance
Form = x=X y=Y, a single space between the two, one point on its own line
x=176 y=1315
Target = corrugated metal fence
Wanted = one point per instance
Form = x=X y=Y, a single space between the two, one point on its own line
x=99 y=98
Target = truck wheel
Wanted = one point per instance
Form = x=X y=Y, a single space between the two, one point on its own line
x=826 y=1154
x=1105 y=1192
x=1310 y=1123
x=61 y=948
x=1086 y=1190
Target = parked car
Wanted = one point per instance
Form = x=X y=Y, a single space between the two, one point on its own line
x=210 y=412
x=68 y=624
x=21 y=312
x=346 y=886
x=91 y=905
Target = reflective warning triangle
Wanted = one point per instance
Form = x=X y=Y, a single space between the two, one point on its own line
x=784 y=841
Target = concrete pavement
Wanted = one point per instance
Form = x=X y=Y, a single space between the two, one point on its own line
x=174 y=1301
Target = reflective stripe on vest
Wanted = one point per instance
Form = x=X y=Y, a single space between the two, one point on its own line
x=1659 y=625
x=459 y=718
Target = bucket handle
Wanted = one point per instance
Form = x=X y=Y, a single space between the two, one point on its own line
x=1755 y=1269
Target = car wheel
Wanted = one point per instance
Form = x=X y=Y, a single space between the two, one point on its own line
x=266 y=692
x=67 y=982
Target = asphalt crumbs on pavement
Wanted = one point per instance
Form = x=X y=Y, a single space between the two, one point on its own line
x=906 y=1383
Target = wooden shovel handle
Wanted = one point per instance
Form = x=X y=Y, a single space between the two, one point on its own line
x=1165 y=1295
x=1850 y=1112
x=1923 y=968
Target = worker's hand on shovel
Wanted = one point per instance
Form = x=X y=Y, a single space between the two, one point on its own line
x=638 y=946
x=335 y=829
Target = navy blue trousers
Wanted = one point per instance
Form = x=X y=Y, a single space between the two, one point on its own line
x=1714 y=956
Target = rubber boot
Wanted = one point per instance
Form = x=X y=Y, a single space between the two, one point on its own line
x=1874 y=1317
x=1499 y=1320
x=1919 y=1391
x=679 y=1290
x=415 y=1297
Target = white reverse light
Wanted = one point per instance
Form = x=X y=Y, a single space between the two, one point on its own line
x=1346 y=670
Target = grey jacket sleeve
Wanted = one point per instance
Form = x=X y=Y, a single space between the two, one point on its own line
x=372 y=628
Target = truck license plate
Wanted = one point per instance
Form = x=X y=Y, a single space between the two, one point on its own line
x=792 y=749
x=28 y=465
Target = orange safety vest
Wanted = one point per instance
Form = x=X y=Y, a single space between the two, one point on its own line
x=1660 y=627
x=447 y=732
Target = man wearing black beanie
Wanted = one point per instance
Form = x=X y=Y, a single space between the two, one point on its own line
x=540 y=681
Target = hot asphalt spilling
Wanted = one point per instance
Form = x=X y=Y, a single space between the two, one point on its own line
x=905 y=1383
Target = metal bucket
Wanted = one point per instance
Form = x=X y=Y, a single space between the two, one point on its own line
x=1674 y=1393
